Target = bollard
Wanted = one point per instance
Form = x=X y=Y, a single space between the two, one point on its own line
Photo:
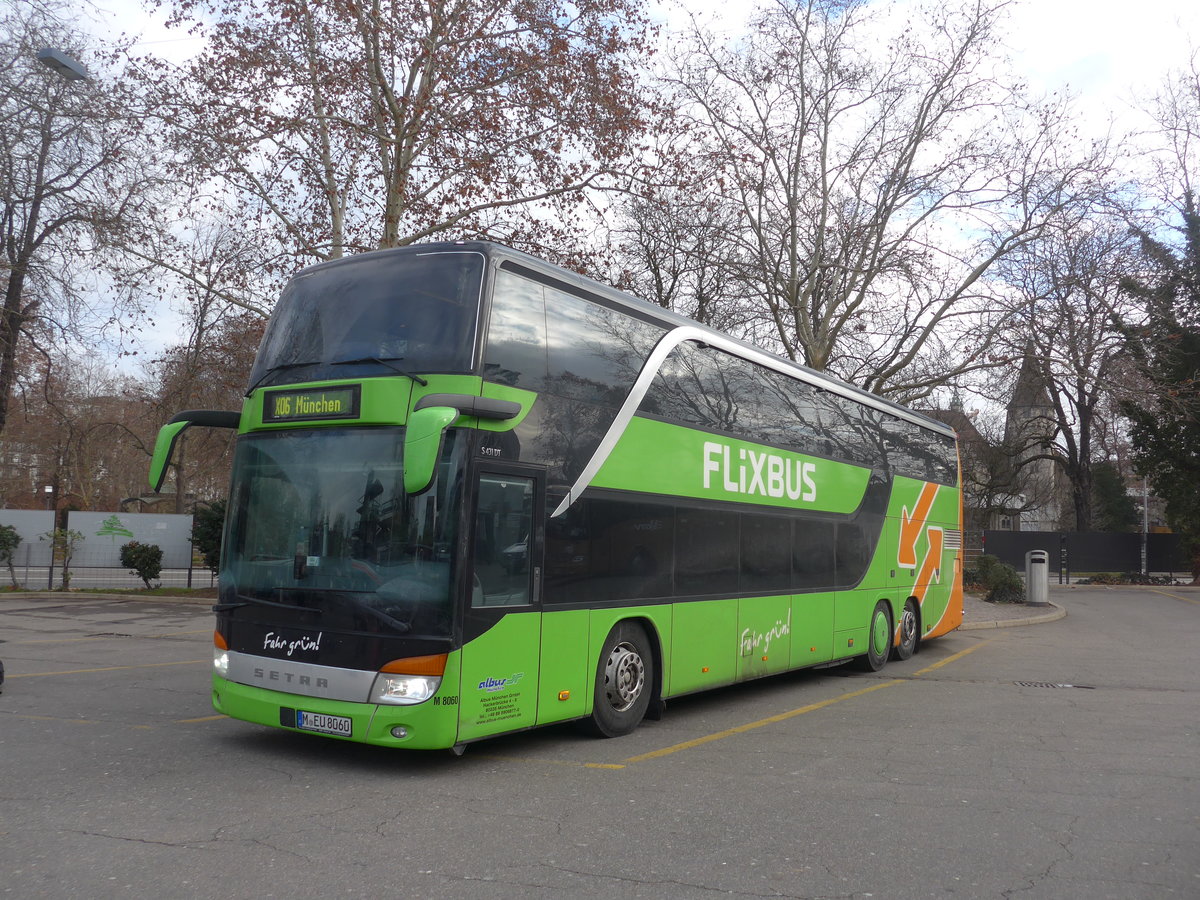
x=1037 y=578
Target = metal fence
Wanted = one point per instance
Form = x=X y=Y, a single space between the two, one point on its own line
x=1087 y=553
x=96 y=558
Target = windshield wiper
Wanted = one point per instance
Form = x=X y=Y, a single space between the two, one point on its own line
x=245 y=600
x=384 y=362
x=282 y=367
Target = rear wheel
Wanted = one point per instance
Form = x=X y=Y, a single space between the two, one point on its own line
x=624 y=682
x=909 y=629
x=879 y=638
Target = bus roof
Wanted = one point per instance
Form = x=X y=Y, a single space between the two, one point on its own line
x=645 y=310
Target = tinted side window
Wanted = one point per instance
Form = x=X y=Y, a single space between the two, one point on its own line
x=853 y=430
x=711 y=389
x=947 y=459
x=787 y=412
x=604 y=550
x=568 y=557
x=595 y=353
x=706 y=552
x=919 y=452
x=704 y=387
x=766 y=563
x=853 y=554
x=912 y=451
x=516 y=342
x=634 y=543
x=813 y=554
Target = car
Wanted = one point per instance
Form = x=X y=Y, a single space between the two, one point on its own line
x=514 y=556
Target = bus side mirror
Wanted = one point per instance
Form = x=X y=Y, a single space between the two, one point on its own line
x=164 y=444
x=423 y=445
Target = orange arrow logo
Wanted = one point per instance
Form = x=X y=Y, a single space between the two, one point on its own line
x=911 y=526
x=931 y=565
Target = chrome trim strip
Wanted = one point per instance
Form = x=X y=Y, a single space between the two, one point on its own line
x=658 y=356
x=303 y=679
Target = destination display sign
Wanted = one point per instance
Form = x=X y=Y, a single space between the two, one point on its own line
x=314 y=403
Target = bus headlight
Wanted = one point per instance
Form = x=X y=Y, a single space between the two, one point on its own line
x=404 y=690
x=221 y=662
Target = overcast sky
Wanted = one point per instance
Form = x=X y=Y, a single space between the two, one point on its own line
x=1106 y=53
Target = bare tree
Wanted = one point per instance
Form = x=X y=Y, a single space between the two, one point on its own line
x=208 y=370
x=672 y=249
x=1068 y=284
x=73 y=183
x=73 y=423
x=209 y=366
x=343 y=126
x=880 y=169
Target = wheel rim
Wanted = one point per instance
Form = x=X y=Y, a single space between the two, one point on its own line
x=908 y=626
x=624 y=676
x=879 y=634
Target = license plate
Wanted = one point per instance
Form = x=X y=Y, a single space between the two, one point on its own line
x=311 y=721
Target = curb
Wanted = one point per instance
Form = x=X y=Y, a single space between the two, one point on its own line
x=100 y=595
x=1056 y=612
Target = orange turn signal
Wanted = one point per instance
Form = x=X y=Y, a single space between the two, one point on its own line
x=417 y=665
x=219 y=641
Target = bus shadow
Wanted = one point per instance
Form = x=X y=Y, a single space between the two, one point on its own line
x=557 y=744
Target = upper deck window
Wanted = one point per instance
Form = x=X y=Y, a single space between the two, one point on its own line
x=542 y=338
x=417 y=311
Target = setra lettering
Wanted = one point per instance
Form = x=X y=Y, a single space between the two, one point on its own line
x=290 y=678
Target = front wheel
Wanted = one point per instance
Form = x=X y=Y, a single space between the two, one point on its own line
x=879 y=638
x=624 y=682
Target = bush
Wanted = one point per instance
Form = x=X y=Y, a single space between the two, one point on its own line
x=1108 y=578
x=1000 y=580
x=143 y=560
x=1127 y=578
x=10 y=540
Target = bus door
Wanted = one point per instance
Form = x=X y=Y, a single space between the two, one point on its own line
x=502 y=626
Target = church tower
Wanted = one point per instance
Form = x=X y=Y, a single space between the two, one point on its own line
x=1029 y=431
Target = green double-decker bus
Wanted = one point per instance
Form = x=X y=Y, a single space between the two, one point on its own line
x=474 y=493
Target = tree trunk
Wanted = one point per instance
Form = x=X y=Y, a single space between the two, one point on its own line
x=10 y=333
x=1081 y=495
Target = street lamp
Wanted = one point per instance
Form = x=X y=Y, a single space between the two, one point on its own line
x=71 y=69
x=66 y=66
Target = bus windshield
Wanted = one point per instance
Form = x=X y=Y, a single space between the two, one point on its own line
x=418 y=308
x=319 y=520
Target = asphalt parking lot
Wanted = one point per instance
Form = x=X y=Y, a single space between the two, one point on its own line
x=1056 y=760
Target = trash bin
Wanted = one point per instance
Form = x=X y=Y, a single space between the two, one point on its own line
x=1037 y=578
